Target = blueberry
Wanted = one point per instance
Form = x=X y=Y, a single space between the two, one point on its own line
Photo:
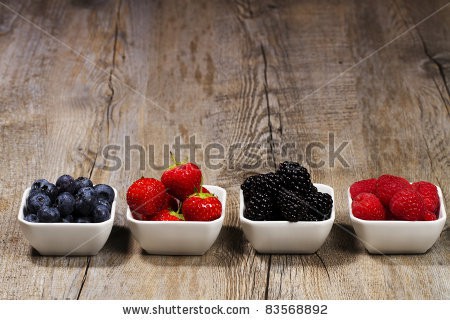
x=104 y=203
x=85 y=200
x=48 y=214
x=68 y=219
x=101 y=213
x=36 y=201
x=105 y=192
x=83 y=220
x=65 y=183
x=46 y=187
x=81 y=182
x=31 y=218
x=65 y=203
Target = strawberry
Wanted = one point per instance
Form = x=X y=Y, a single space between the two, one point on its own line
x=367 y=206
x=361 y=186
x=167 y=215
x=429 y=193
x=429 y=216
x=204 y=190
x=146 y=197
x=182 y=180
x=388 y=185
x=201 y=207
x=407 y=204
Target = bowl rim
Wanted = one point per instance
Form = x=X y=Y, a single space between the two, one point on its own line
x=21 y=216
x=131 y=219
x=288 y=223
x=442 y=214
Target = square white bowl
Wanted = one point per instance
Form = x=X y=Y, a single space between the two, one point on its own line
x=398 y=237
x=178 y=237
x=280 y=237
x=66 y=239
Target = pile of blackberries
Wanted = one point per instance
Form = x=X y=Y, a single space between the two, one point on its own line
x=287 y=194
x=69 y=200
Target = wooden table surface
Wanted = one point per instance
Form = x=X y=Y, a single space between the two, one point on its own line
x=78 y=76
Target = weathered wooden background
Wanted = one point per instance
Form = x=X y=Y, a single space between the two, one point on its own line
x=79 y=75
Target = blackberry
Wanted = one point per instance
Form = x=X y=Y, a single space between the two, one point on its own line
x=294 y=207
x=320 y=205
x=295 y=177
x=259 y=206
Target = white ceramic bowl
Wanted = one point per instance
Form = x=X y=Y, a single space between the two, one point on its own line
x=178 y=237
x=66 y=239
x=398 y=237
x=287 y=237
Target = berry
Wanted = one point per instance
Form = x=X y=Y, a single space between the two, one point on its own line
x=388 y=185
x=293 y=207
x=37 y=201
x=105 y=192
x=367 y=206
x=366 y=186
x=31 y=218
x=68 y=219
x=65 y=202
x=48 y=214
x=295 y=177
x=258 y=206
x=65 y=183
x=172 y=203
x=45 y=187
x=429 y=216
x=429 y=193
x=146 y=196
x=182 y=180
x=167 y=215
x=104 y=203
x=101 y=213
x=201 y=207
x=320 y=205
x=204 y=190
x=81 y=182
x=407 y=204
x=85 y=200
x=83 y=220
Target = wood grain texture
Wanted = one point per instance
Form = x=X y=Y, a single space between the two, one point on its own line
x=264 y=79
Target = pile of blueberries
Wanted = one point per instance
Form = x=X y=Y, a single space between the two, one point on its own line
x=69 y=200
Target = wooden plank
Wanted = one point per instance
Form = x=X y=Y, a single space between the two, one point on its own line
x=52 y=105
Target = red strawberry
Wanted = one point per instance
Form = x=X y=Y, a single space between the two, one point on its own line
x=388 y=185
x=204 y=190
x=172 y=203
x=367 y=186
x=146 y=197
x=201 y=207
x=182 y=180
x=166 y=215
x=429 y=216
x=407 y=204
x=367 y=206
x=429 y=193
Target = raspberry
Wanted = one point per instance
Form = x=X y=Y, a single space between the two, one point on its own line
x=407 y=204
x=429 y=193
x=429 y=216
x=367 y=206
x=367 y=186
x=388 y=185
